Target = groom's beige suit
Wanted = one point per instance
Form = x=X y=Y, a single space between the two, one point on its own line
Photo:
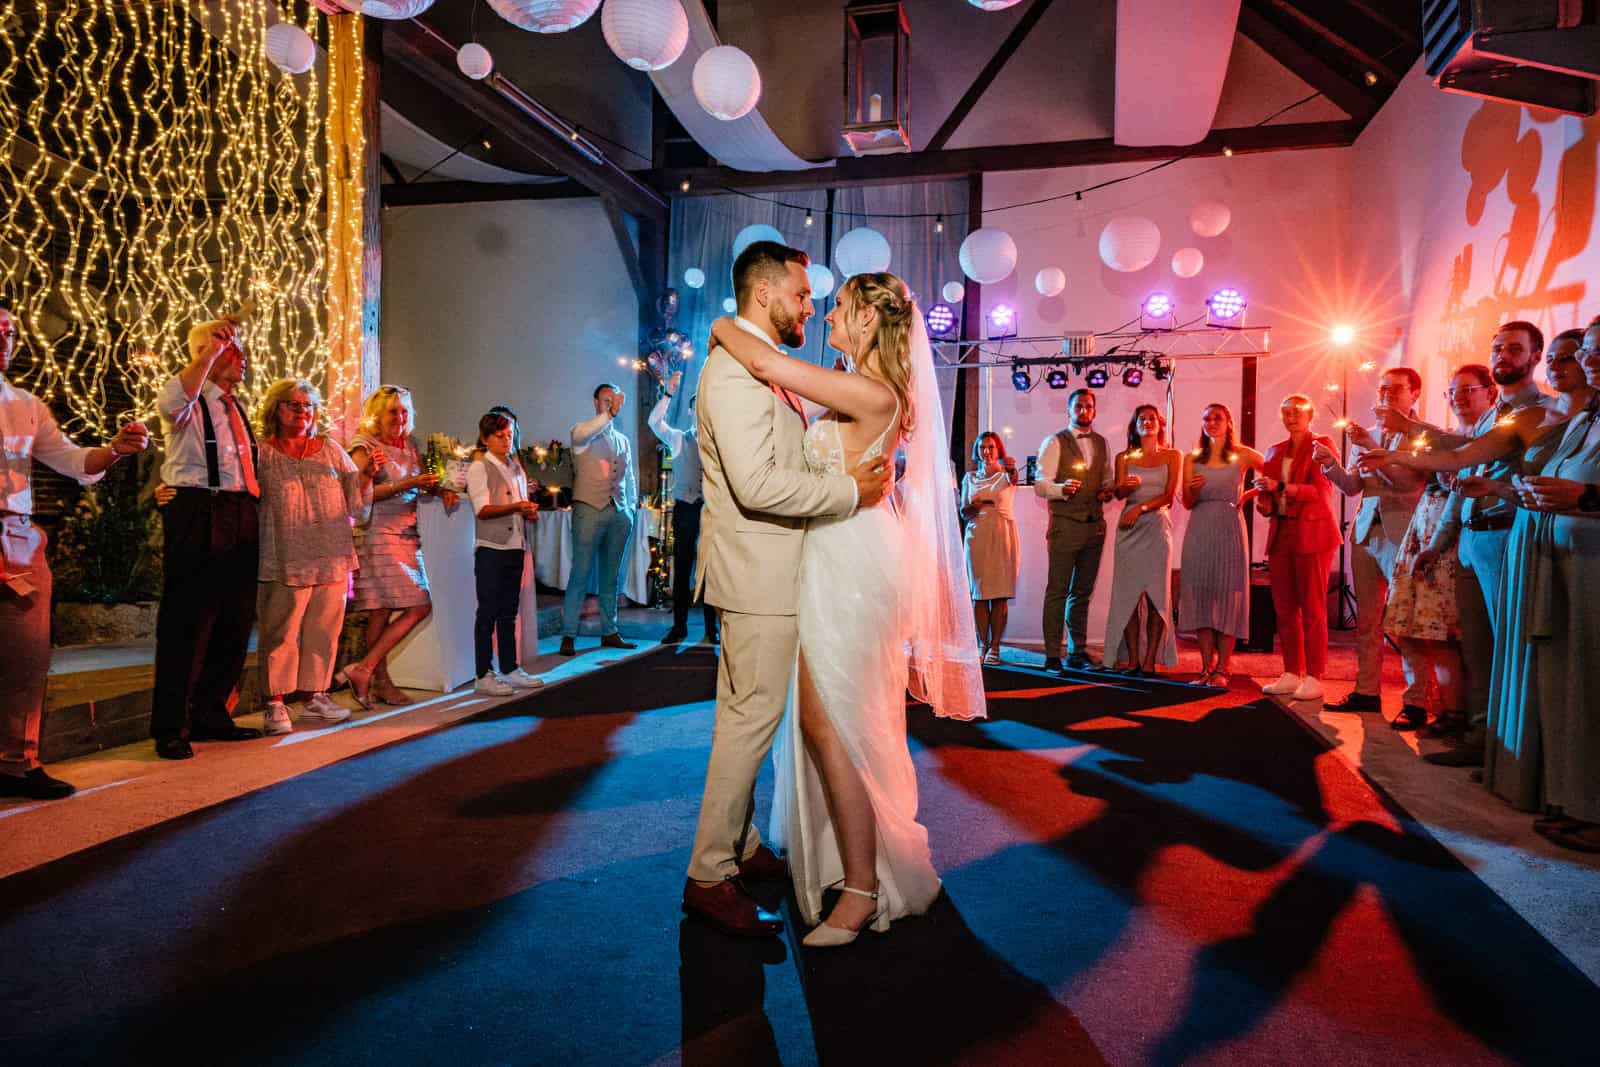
x=758 y=496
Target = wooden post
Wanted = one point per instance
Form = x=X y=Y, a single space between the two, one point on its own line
x=354 y=233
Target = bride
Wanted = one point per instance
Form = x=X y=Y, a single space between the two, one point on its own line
x=882 y=609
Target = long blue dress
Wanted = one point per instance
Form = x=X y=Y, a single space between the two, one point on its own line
x=1143 y=567
x=1214 y=592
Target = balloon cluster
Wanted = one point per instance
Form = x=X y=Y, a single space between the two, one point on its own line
x=666 y=349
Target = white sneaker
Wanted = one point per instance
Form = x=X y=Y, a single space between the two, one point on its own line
x=1309 y=689
x=521 y=679
x=1286 y=684
x=321 y=708
x=491 y=685
x=276 y=720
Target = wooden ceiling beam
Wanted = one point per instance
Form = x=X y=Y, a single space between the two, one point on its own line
x=1336 y=39
x=414 y=194
x=988 y=74
x=964 y=162
x=1305 y=64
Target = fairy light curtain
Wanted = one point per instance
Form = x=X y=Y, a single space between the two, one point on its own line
x=157 y=170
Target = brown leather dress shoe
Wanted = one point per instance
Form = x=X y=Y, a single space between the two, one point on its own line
x=763 y=863
x=730 y=909
x=615 y=641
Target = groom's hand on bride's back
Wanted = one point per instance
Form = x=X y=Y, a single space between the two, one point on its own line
x=872 y=481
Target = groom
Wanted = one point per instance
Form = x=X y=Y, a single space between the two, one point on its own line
x=758 y=496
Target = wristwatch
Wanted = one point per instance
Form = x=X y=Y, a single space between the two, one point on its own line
x=1590 y=500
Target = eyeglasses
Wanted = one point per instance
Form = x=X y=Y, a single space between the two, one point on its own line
x=299 y=407
x=1391 y=390
x=1462 y=390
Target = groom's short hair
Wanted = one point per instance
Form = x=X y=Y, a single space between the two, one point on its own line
x=763 y=260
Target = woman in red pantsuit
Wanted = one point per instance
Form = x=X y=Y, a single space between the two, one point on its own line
x=1302 y=539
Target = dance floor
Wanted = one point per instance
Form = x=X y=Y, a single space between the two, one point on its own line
x=1134 y=872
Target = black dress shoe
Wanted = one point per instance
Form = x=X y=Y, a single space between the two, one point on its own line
x=729 y=908
x=674 y=636
x=1411 y=717
x=615 y=641
x=1052 y=663
x=1464 y=756
x=229 y=732
x=1357 y=702
x=1079 y=662
x=568 y=647
x=173 y=748
x=35 y=785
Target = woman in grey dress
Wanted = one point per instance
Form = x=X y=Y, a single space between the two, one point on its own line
x=1146 y=480
x=991 y=540
x=1214 y=593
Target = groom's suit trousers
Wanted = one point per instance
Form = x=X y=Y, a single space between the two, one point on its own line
x=753 y=675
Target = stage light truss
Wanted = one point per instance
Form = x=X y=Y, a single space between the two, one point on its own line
x=1141 y=347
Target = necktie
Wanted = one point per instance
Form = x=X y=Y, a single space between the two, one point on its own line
x=241 y=445
x=788 y=398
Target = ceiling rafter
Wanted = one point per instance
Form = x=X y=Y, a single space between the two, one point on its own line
x=1335 y=39
x=1306 y=64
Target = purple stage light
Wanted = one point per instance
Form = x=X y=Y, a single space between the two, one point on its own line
x=941 y=319
x=1226 y=304
x=1157 y=306
x=1002 y=321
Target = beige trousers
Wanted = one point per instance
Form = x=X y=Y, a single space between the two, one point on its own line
x=753 y=675
x=25 y=640
x=298 y=628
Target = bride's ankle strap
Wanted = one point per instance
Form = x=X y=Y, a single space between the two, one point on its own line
x=870 y=894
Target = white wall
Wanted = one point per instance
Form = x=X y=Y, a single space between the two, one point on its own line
x=523 y=303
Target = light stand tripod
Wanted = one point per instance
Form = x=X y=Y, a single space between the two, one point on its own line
x=1344 y=616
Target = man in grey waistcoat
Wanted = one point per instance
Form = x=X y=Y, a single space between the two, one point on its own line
x=1075 y=480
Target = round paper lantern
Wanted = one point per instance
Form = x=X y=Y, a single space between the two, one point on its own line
x=726 y=82
x=290 y=49
x=474 y=61
x=759 y=231
x=645 y=34
x=730 y=305
x=544 y=16
x=1186 y=262
x=861 y=251
x=954 y=292
x=994 y=5
x=1209 y=218
x=694 y=277
x=388 y=9
x=1129 y=243
x=988 y=255
x=1050 y=281
x=821 y=279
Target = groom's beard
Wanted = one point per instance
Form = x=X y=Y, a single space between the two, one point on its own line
x=791 y=331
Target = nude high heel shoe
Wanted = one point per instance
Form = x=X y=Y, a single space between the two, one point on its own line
x=826 y=936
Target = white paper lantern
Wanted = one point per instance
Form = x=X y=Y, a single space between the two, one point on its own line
x=954 y=292
x=1209 y=218
x=544 y=16
x=388 y=9
x=645 y=34
x=726 y=82
x=821 y=279
x=290 y=49
x=994 y=5
x=988 y=255
x=1050 y=281
x=1129 y=243
x=694 y=277
x=474 y=60
x=1186 y=262
x=861 y=251
x=730 y=305
x=758 y=231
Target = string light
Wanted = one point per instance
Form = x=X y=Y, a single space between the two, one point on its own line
x=809 y=219
x=938 y=224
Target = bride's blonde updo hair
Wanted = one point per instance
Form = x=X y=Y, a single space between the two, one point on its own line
x=888 y=294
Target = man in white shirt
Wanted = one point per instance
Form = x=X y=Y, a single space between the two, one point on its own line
x=605 y=494
x=683 y=446
x=1075 y=479
x=29 y=432
x=208 y=599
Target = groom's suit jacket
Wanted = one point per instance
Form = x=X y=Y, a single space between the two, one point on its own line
x=758 y=492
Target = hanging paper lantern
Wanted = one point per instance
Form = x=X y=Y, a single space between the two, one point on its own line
x=730 y=305
x=694 y=277
x=726 y=82
x=544 y=16
x=290 y=49
x=861 y=251
x=1050 y=281
x=758 y=231
x=474 y=60
x=1129 y=243
x=388 y=9
x=645 y=34
x=954 y=292
x=1209 y=218
x=821 y=279
x=988 y=255
x=993 y=5
x=1186 y=262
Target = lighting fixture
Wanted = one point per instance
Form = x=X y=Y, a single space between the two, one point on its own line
x=1370 y=78
x=809 y=219
x=1225 y=307
x=941 y=319
x=1056 y=377
x=938 y=224
x=1161 y=369
x=1342 y=334
x=1002 y=322
x=683 y=186
x=1227 y=150
x=1096 y=377
x=1157 y=306
x=1133 y=376
x=1021 y=380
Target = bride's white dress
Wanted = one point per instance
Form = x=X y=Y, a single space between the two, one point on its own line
x=852 y=642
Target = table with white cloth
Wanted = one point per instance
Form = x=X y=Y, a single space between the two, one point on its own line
x=553 y=551
x=438 y=654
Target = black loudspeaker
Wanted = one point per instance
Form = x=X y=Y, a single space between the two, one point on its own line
x=1263 y=616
